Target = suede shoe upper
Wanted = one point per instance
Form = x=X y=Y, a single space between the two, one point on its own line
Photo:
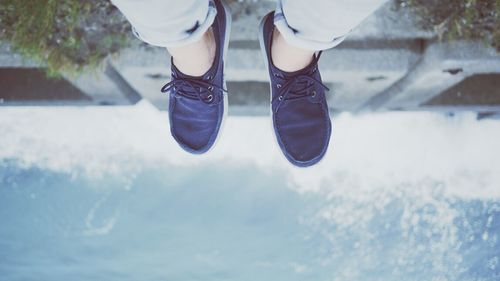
x=197 y=104
x=299 y=109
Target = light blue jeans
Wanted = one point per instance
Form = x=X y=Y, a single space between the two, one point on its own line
x=308 y=24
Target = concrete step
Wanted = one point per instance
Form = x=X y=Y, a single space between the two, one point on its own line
x=442 y=66
x=357 y=71
x=387 y=63
x=377 y=54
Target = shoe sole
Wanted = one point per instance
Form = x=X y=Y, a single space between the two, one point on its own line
x=263 y=52
x=227 y=12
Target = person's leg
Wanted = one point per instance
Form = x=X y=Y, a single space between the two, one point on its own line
x=196 y=58
x=286 y=56
x=292 y=39
x=183 y=27
x=304 y=27
x=196 y=33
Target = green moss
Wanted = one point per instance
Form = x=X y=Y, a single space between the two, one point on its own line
x=67 y=36
x=459 y=19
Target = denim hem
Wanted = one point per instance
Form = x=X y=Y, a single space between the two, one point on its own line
x=190 y=36
x=295 y=38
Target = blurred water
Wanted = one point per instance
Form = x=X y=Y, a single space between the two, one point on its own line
x=240 y=224
x=151 y=214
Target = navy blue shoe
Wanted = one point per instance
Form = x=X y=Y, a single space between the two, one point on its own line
x=299 y=109
x=198 y=105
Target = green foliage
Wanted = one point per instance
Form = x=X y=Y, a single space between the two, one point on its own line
x=66 y=35
x=460 y=19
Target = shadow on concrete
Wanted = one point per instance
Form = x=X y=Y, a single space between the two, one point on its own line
x=32 y=84
x=481 y=89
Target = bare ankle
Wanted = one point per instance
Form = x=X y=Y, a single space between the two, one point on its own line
x=287 y=57
x=197 y=58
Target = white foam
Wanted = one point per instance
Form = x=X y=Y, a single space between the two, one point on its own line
x=367 y=152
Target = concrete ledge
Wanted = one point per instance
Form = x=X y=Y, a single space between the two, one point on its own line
x=9 y=58
x=104 y=85
x=442 y=66
x=356 y=74
x=386 y=63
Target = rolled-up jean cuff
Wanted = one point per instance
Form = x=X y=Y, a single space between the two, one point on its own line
x=294 y=38
x=162 y=40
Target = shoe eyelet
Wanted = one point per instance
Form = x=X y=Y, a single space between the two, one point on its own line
x=210 y=88
x=280 y=98
x=209 y=77
x=314 y=94
x=210 y=98
x=279 y=86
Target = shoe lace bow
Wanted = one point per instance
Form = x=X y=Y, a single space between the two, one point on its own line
x=192 y=88
x=297 y=87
